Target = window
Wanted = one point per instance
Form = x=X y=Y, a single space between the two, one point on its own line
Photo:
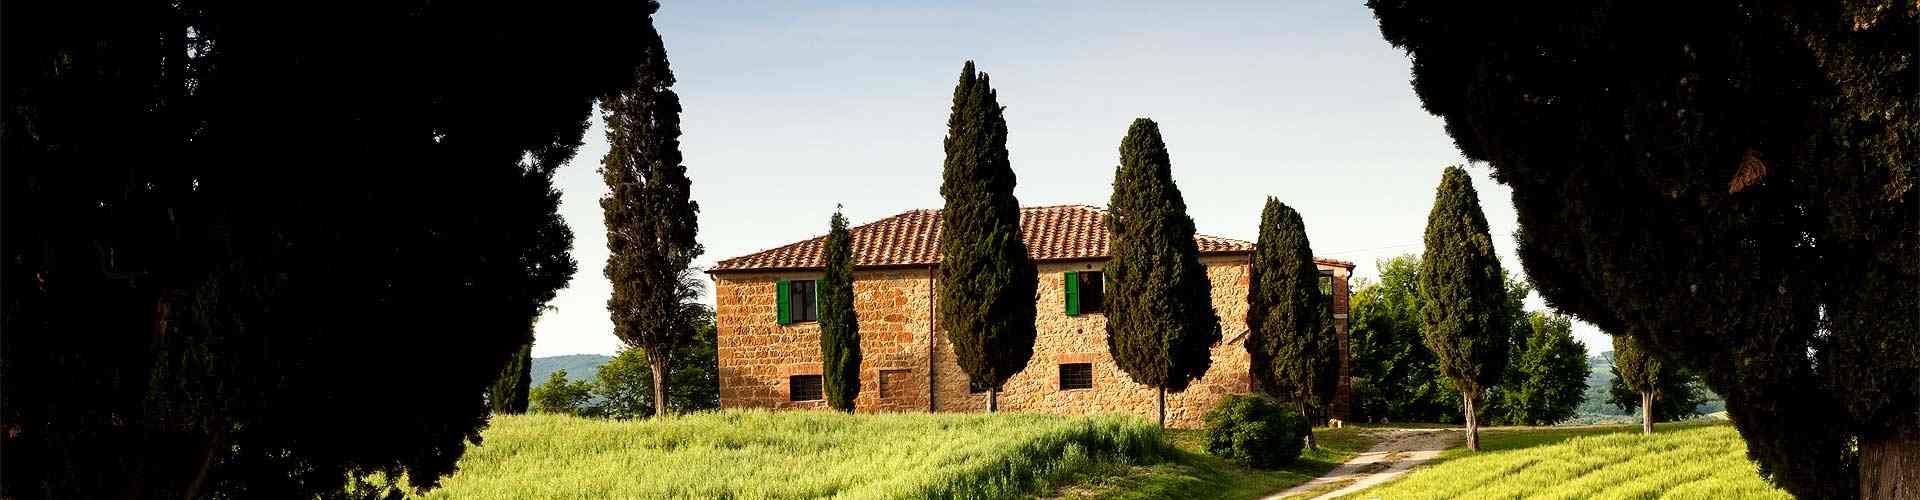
x=1086 y=292
x=1326 y=283
x=896 y=384
x=804 y=388
x=1076 y=376
x=976 y=387
x=795 y=301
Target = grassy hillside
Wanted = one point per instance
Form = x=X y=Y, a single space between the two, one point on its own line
x=578 y=366
x=759 y=454
x=1687 y=460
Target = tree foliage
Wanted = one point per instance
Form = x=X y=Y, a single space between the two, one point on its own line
x=987 y=282
x=623 y=387
x=1290 y=324
x=1161 y=326
x=272 y=251
x=508 y=395
x=1681 y=394
x=1394 y=373
x=651 y=219
x=1734 y=180
x=839 y=326
x=561 y=395
x=1467 y=321
x=1547 y=377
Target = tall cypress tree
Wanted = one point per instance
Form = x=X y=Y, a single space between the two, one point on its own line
x=839 y=326
x=1161 y=326
x=508 y=395
x=1466 y=316
x=987 y=283
x=1289 y=322
x=1639 y=370
x=651 y=220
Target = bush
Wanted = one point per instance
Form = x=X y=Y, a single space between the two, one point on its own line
x=1255 y=432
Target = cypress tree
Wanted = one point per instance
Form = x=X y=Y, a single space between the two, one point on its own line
x=508 y=395
x=1639 y=370
x=839 y=326
x=987 y=283
x=1161 y=326
x=651 y=220
x=1732 y=182
x=1289 y=322
x=1465 y=308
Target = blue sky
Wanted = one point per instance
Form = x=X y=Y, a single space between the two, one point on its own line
x=793 y=107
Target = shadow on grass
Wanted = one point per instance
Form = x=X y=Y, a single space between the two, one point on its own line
x=1189 y=472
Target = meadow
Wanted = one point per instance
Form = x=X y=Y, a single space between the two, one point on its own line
x=1189 y=472
x=1684 y=460
x=794 y=454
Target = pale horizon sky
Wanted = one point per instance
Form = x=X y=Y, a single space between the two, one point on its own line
x=793 y=107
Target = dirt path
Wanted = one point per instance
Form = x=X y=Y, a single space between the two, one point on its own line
x=1401 y=450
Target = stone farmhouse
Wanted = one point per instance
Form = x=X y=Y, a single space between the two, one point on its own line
x=769 y=344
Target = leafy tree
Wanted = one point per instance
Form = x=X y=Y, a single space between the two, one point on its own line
x=987 y=283
x=839 y=326
x=508 y=395
x=1291 y=340
x=651 y=219
x=1395 y=375
x=1731 y=181
x=1639 y=370
x=570 y=397
x=1467 y=321
x=214 y=233
x=1161 y=326
x=623 y=387
x=1680 y=394
x=1547 y=378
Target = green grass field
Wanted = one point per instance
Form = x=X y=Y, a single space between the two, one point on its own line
x=1189 y=472
x=1687 y=460
x=794 y=454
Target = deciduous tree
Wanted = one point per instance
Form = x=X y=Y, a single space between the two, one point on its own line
x=651 y=219
x=1467 y=322
x=1732 y=181
x=1289 y=323
x=1547 y=377
x=987 y=282
x=839 y=326
x=1161 y=326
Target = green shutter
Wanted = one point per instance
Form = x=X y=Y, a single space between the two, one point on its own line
x=1073 y=293
x=780 y=298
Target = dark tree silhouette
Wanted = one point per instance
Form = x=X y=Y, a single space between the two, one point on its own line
x=508 y=395
x=255 y=250
x=839 y=326
x=987 y=282
x=1468 y=324
x=651 y=219
x=1732 y=181
x=1289 y=323
x=1161 y=326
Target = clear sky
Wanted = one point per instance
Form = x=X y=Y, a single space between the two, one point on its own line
x=792 y=107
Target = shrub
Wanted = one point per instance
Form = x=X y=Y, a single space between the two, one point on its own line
x=1254 y=431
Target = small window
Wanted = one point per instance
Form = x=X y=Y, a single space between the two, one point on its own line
x=1093 y=292
x=1326 y=283
x=896 y=384
x=1076 y=376
x=801 y=295
x=804 y=388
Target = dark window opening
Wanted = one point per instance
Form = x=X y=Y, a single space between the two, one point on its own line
x=1326 y=283
x=1076 y=376
x=1093 y=292
x=976 y=387
x=804 y=388
x=801 y=297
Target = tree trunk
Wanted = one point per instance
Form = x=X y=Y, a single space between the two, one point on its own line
x=1473 y=423
x=1646 y=412
x=1163 y=407
x=659 y=365
x=993 y=400
x=1890 y=464
x=1304 y=412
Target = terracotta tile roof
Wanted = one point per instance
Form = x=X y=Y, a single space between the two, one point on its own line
x=912 y=238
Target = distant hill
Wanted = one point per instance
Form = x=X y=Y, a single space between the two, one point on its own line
x=578 y=366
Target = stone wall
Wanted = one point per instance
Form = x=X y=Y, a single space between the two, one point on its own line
x=757 y=355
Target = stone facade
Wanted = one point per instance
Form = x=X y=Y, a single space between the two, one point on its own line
x=907 y=366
